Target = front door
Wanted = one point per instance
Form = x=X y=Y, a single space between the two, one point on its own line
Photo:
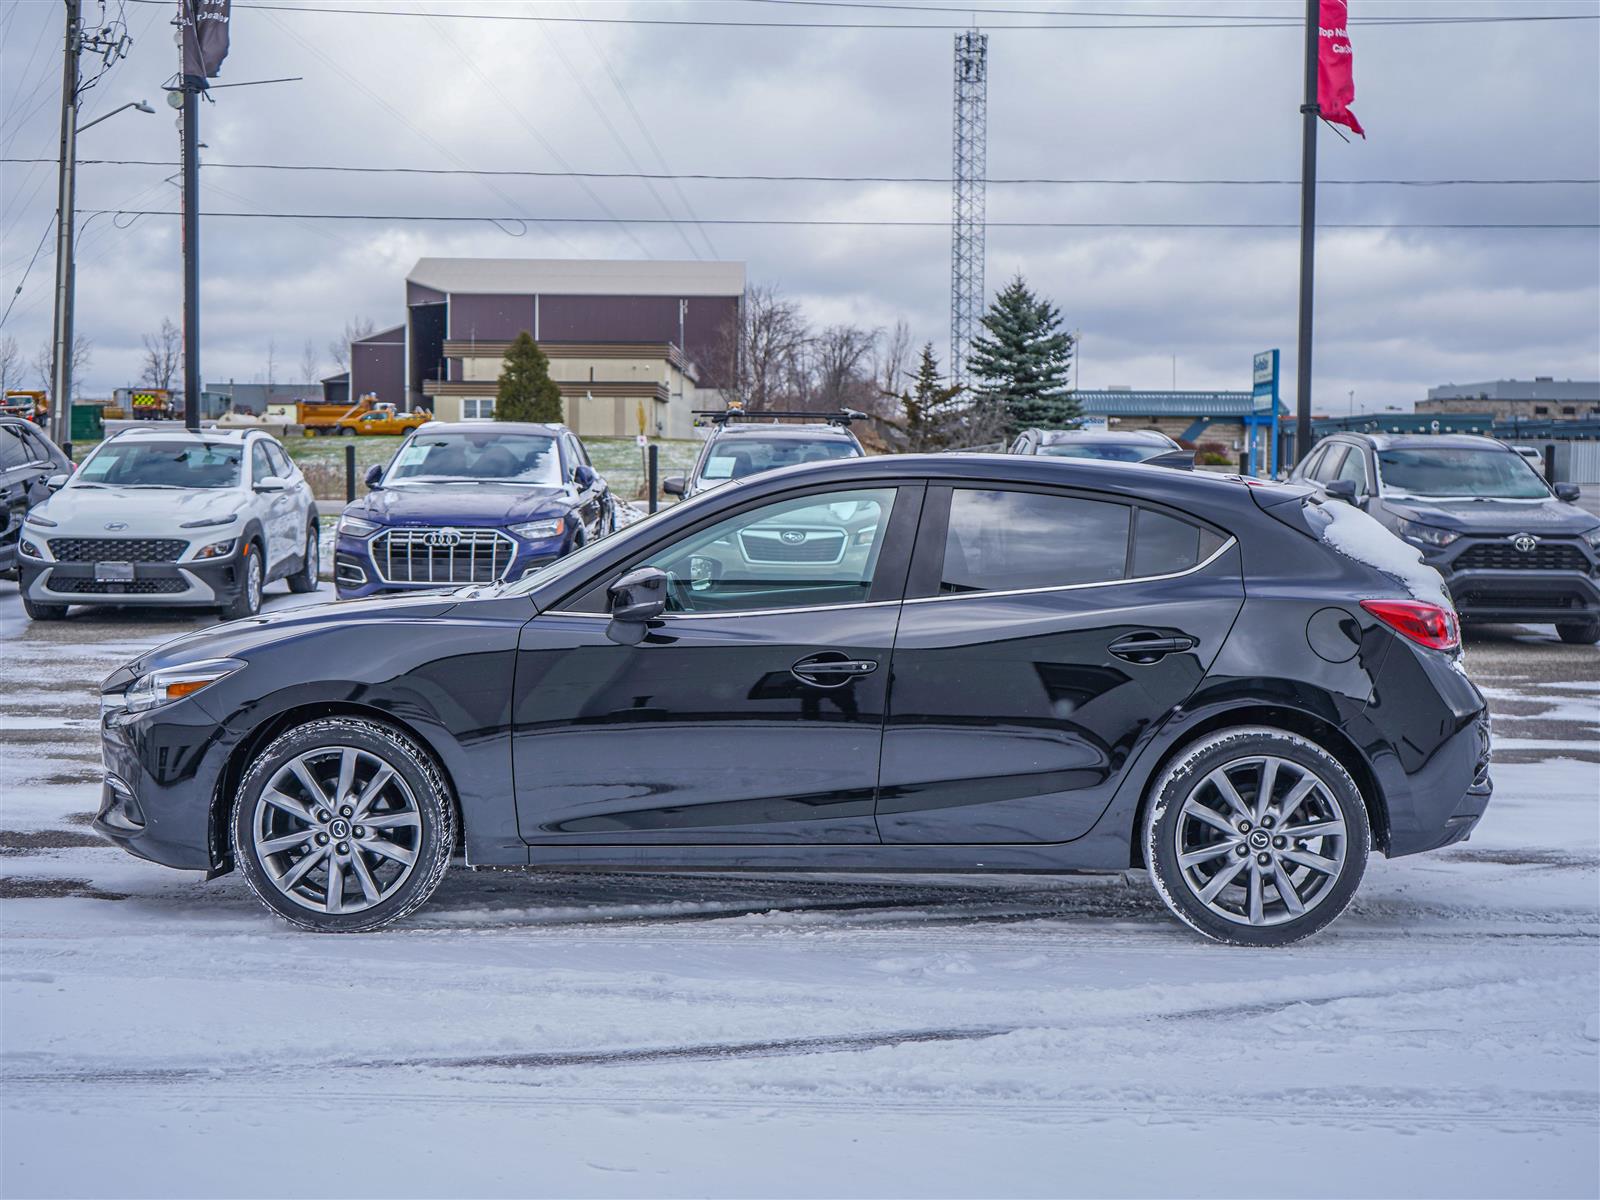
x=753 y=709
x=1042 y=633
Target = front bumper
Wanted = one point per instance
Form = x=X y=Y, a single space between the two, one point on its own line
x=356 y=574
x=1520 y=593
x=206 y=584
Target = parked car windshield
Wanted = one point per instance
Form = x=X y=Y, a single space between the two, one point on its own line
x=736 y=457
x=477 y=457
x=163 y=464
x=1112 y=451
x=1458 y=471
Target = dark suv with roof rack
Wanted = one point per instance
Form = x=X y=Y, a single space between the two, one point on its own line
x=1510 y=546
x=740 y=444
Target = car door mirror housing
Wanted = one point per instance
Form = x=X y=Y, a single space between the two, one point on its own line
x=56 y=482
x=272 y=483
x=1568 y=492
x=584 y=476
x=374 y=476
x=639 y=596
x=673 y=485
x=1342 y=489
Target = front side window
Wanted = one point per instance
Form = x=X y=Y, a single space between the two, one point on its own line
x=1354 y=468
x=814 y=550
x=737 y=457
x=1005 y=541
x=523 y=458
x=279 y=460
x=260 y=468
x=155 y=464
x=1459 y=471
x=1330 y=463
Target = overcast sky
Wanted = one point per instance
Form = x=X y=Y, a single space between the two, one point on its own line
x=1398 y=310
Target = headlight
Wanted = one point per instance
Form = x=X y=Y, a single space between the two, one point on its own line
x=537 y=531
x=217 y=549
x=210 y=521
x=169 y=684
x=1592 y=536
x=1425 y=535
x=34 y=518
x=356 y=527
x=28 y=549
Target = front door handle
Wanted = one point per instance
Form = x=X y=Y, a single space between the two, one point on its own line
x=829 y=671
x=1148 y=646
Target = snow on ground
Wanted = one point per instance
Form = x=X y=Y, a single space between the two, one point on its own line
x=645 y=1035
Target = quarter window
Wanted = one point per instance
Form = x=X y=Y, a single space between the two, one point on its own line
x=1005 y=541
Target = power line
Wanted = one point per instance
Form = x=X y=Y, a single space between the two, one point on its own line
x=705 y=22
x=985 y=10
x=49 y=225
x=863 y=224
x=344 y=168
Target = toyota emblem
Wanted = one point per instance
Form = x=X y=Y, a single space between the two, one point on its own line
x=1524 y=542
x=116 y=524
x=792 y=537
x=441 y=537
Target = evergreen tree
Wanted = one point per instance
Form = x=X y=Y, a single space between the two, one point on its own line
x=1022 y=364
x=930 y=410
x=525 y=391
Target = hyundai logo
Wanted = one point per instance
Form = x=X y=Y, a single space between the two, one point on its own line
x=792 y=537
x=441 y=537
x=1524 y=542
x=116 y=524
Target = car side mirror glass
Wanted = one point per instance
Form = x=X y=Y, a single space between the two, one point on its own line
x=374 y=475
x=584 y=476
x=639 y=596
x=1568 y=492
x=1342 y=489
x=673 y=485
x=56 y=482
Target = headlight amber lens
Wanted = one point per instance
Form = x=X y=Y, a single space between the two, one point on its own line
x=174 y=683
x=217 y=549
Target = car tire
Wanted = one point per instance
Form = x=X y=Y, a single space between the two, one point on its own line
x=43 y=612
x=248 y=602
x=384 y=872
x=1580 y=633
x=305 y=579
x=1207 y=807
x=346 y=431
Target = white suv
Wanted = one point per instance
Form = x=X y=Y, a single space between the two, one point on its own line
x=169 y=518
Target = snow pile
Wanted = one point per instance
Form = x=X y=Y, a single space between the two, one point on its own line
x=1356 y=535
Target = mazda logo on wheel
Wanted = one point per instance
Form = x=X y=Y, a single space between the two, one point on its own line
x=441 y=537
x=1524 y=542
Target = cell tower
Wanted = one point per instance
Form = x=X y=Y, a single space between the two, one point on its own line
x=967 y=212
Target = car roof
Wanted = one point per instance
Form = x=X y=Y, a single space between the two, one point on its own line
x=808 y=432
x=1052 y=437
x=205 y=435
x=549 y=428
x=1411 y=441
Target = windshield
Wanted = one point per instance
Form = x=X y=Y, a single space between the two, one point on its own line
x=1455 y=471
x=1114 y=451
x=477 y=457
x=737 y=457
x=162 y=465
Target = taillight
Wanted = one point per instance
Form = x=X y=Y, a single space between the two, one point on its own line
x=1425 y=624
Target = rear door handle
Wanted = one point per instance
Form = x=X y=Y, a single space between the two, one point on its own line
x=832 y=672
x=1149 y=646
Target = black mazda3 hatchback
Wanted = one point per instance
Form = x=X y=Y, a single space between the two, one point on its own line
x=948 y=663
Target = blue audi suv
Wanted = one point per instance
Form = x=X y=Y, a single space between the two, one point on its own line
x=474 y=502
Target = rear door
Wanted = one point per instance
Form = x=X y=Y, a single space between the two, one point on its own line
x=1043 y=632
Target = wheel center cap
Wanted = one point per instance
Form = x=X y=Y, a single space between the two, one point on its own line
x=339 y=827
x=1259 y=839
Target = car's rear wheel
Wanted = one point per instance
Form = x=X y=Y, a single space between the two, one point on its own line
x=1580 y=633
x=1256 y=837
x=343 y=825
x=305 y=579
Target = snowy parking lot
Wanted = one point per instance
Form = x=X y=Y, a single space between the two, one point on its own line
x=723 y=1035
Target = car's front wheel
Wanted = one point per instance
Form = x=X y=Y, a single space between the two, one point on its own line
x=252 y=573
x=1580 y=633
x=343 y=825
x=1256 y=837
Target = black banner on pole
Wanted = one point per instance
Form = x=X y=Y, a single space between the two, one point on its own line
x=205 y=39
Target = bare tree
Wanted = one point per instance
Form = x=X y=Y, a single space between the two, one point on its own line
x=44 y=362
x=10 y=363
x=310 y=363
x=272 y=361
x=765 y=344
x=892 y=362
x=355 y=329
x=842 y=368
x=162 y=351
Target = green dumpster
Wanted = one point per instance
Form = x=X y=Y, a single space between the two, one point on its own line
x=87 y=425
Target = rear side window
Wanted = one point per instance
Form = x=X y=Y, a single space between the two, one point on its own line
x=1005 y=541
x=12 y=452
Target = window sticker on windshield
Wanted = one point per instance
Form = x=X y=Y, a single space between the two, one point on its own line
x=718 y=468
x=98 y=466
x=411 y=456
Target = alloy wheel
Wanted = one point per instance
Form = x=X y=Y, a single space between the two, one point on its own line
x=252 y=581
x=337 y=830
x=1261 y=840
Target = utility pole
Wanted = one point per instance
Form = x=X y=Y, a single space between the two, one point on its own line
x=191 y=258
x=1308 y=235
x=66 y=219
x=969 y=172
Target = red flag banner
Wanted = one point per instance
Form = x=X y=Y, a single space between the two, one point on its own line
x=1336 y=84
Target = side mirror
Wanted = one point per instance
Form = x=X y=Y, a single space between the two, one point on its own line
x=584 y=476
x=56 y=482
x=639 y=596
x=673 y=485
x=374 y=475
x=1342 y=489
x=272 y=483
x=1568 y=492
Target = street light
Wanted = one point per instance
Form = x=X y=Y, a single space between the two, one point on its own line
x=141 y=105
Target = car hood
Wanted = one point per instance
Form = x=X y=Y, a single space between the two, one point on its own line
x=484 y=503
x=86 y=511
x=1549 y=517
x=238 y=637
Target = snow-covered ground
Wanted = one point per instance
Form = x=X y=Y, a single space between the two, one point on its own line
x=649 y=1035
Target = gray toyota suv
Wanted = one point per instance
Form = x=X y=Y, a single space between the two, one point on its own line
x=1511 y=547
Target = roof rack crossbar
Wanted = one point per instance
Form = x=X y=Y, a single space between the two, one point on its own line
x=721 y=416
